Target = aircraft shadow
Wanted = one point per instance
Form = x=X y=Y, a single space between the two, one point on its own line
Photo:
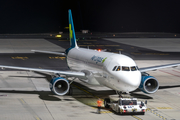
x=90 y=93
x=44 y=95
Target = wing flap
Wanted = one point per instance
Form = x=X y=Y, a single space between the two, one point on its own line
x=153 y=68
x=68 y=73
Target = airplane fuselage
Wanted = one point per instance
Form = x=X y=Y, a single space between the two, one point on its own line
x=116 y=71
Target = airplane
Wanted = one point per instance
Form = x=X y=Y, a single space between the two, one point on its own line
x=116 y=71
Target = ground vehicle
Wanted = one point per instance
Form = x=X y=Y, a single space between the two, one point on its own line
x=126 y=105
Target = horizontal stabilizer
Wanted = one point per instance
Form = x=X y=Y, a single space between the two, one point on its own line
x=49 y=52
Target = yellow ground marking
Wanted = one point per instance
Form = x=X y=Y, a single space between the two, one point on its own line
x=58 y=36
x=160 y=116
x=22 y=101
x=106 y=112
x=164 y=108
x=57 y=57
x=37 y=118
x=22 y=58
x=136 y=117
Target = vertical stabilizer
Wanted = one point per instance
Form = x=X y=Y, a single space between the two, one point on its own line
x=72 y=35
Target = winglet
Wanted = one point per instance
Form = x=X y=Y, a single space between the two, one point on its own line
x=72 y=35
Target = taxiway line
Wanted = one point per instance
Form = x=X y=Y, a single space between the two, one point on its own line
x=28 y=108
x=158 y=115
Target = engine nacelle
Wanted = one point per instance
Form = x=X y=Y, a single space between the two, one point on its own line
x=149 y=84
x=59 y=86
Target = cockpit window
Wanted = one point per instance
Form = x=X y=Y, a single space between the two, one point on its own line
x=119 y=68
x=124 y=68
x=114 y=68
x=133 y=68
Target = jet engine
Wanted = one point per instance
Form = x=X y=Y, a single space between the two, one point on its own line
x=149 y=84
x=59 y=86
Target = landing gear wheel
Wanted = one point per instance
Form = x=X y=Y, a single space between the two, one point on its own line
x=143 y=113
x=70 y=91
x=106 y=101
x=119 y=111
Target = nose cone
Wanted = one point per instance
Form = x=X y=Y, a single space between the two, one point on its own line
x=132 y=80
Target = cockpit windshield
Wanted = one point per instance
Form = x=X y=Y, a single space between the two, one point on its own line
x=114 y=68
x=119 y=68
x=125 y=68
x=133 y=68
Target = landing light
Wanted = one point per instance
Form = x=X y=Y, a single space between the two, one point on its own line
x=99 y=50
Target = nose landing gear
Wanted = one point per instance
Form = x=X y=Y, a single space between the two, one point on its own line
x=120 y=93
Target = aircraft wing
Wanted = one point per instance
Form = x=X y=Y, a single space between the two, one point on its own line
x=153 y=68
x=49 y=52
x=68 y=73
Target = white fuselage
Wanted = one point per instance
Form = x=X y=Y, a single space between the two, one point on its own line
x=100 y=69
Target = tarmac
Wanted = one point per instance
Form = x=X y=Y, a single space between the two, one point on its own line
x=25 y=95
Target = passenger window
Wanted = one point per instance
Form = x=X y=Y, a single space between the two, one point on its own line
x=125 y=68
x=114 y=68
x=133 y=68
x=119 y=68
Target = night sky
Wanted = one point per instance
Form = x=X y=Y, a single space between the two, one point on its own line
x=50 y=16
